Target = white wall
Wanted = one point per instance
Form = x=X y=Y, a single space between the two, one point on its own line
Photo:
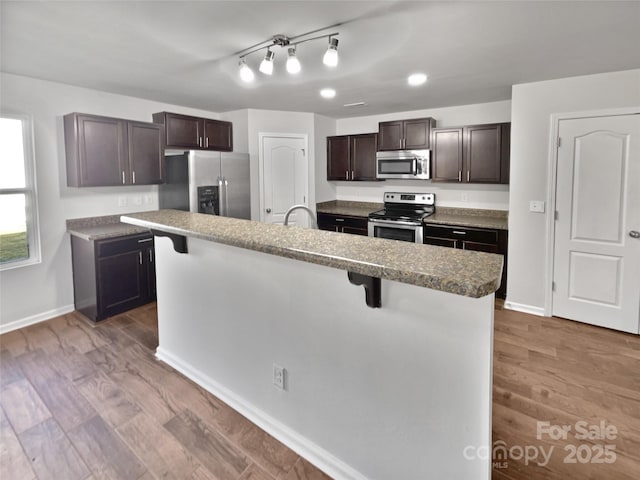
x=273 y=121
x=380 y=394
x=40 y=291
x=478 y=196
x=240 y=120
x=532 y=107
x=324 y=127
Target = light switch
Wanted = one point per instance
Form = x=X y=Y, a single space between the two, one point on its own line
x=136 y=200
x=122 y=201
x=536 y=206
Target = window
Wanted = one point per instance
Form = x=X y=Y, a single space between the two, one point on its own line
x=19 y=237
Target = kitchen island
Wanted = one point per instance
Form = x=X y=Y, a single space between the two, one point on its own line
x=400 y=391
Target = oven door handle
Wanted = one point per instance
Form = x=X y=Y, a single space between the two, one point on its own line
x=397 y=224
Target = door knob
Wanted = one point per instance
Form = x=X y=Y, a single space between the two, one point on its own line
x=634 y=234
x=268 y=210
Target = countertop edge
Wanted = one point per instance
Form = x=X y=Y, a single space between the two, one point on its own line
x=346 y=264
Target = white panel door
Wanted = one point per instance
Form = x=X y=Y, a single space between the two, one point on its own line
x=284 y=179
x=597 y=252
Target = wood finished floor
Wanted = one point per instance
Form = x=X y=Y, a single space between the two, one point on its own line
x=78 y=402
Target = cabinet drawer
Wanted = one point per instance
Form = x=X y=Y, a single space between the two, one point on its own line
x=114 y=246
x=343 y=220
x=467 y=234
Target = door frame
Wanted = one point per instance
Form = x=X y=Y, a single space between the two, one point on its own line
x=261 y=136
x=551 y=187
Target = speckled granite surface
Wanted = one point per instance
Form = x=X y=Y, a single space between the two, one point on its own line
x=345 y=207
x=461 y=272
x=98 y=228
x=470 y=217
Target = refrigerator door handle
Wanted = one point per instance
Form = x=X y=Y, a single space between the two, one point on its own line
x=220 y=194
x=226 y=198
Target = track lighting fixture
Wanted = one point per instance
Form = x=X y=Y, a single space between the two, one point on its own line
x=293 y=63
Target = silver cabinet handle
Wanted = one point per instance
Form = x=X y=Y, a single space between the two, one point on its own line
x=459 y=175
x=353 y=174
x=140 y=256
x=268 y=210
x=206 y=142
x=123 y=177
x=339 y=219
x=346 y=175
x=144 y=240
x=468 y=174
x=634 y=234
x=133 y=175
x=150 y=256
x=458 y=232
x=200 y=142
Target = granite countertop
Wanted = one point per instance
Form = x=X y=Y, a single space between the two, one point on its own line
x=99 y=228
x=461 y=272
x=470 y=217
x=345 y=207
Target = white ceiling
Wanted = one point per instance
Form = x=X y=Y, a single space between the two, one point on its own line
x=183 y=52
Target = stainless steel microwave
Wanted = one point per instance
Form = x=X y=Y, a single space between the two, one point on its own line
x=411 y=164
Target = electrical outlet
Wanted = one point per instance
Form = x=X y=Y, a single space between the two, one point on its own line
x=465 y=197
x=148 y=199
x=136 y=200
x=279 y=376
x=122 y=201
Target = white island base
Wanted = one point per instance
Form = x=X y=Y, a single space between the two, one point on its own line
x=391 y=393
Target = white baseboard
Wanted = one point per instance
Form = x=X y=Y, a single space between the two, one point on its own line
x=316 y=455
x=40 y=317
x=521 y=307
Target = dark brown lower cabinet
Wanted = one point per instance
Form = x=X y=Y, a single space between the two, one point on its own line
x=470 y=238
x=113 y=275
x=343 y=223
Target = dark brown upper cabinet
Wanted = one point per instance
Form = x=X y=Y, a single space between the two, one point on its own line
x=352 y=157
x=184 y=131
x=105 y=151
x=472 y=154
x=413 y=134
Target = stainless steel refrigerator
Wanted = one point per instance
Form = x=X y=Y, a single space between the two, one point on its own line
x=207 y=182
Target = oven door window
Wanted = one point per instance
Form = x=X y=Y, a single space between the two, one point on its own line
x=397 y=166
x=403 y=234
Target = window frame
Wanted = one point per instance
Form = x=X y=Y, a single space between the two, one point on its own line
x=30 y=192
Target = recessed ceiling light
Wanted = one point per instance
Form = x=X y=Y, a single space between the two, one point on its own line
x=416 y=79
x=327 y=93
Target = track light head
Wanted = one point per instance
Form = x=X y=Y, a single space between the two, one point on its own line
x=330 y=58
x=293 y=64
x=246 y=74
x=266 y=66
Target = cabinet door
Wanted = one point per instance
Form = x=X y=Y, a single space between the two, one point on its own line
x=338 y=167
x=416 y=134
x=149 y=258
x=390 y=135
x=183 y=130
x=218 y=135
x=121 y=283
x=145 y=153
x=363 y=156
x=447 y=155
x=483 y=153
x=102 y=151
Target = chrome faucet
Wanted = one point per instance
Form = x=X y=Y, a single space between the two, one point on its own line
x=314 y=224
